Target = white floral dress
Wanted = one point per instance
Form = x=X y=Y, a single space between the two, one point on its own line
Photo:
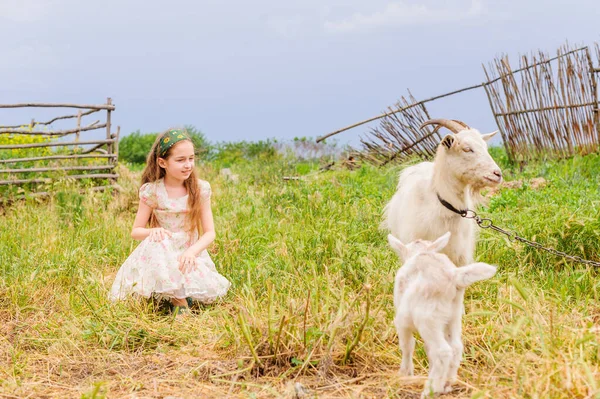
x=153 y=269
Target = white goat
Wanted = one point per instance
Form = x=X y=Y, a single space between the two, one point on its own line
x=461 y=168
x=428 y=297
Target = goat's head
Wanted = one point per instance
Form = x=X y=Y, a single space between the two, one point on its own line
x=466 y=153
x=416 y=247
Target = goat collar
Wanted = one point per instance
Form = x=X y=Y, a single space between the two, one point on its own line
x=450 y=207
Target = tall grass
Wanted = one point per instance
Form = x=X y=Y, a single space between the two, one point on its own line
x=311 y=299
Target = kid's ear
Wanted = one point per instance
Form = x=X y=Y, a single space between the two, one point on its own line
x=398 y=247
x=161 y=162
x=464 y=276
x=448 y=141
x=440 y=243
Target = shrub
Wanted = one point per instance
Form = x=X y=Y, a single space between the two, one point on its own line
x=15 y=139
x=134 y=148
x=230 y=153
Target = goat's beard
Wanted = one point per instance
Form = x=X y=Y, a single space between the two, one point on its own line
x=476 y=193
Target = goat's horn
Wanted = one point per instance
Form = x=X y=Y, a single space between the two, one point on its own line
x=453 y=125
x=462 y=123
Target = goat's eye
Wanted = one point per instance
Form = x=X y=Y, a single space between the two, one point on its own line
x=467 y=149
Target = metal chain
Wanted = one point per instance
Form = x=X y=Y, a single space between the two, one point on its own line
x=486 y=223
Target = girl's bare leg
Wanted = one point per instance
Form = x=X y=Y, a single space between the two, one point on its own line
x=182 y=303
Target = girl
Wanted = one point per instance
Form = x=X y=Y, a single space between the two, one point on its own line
x=172 y=261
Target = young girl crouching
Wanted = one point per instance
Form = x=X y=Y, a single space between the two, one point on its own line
x=172 y=261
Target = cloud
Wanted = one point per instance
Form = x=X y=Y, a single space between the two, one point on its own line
x=287 y=27
x=400 y=13
x=24 y=10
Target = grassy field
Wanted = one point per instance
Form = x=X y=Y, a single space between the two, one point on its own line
x=311 y=300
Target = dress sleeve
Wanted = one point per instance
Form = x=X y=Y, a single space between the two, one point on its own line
x=148 y=194
x=205 y=191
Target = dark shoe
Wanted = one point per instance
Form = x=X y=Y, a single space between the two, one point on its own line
x=181 y=311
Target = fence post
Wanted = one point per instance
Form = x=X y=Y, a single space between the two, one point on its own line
x=78 y=129
x=108 y=134
x=593 y=72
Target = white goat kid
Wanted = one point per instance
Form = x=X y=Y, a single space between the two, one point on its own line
x=428 y=297
x=461 y=168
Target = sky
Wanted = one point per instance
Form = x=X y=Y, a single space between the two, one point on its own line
x=241 y=70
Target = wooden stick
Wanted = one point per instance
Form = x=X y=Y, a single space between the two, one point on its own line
x=92 y=126
x=73 y=156
x=47 y=179
x=52 y=120
x=95 y=148
x=57 y=168
x=53 y=144
x=409 y=147
x=51 y=105
x=319 y=139
x=594 y=89
x=78 y=126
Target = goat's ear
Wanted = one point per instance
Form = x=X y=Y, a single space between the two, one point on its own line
x=448 y=141
x=398 y=247
x=464 y=276
x=487 y=137
x=440 y=243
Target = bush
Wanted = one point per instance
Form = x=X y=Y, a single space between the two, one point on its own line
x=230 y=153
x=134 y=148
x=15 y=139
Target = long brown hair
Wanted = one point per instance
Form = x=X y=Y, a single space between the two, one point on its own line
x=153 y=172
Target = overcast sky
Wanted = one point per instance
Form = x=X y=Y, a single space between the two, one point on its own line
x=270 y=69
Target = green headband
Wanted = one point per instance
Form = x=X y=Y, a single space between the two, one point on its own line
x=169 y=139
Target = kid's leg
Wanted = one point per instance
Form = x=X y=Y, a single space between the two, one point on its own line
x=180 y=305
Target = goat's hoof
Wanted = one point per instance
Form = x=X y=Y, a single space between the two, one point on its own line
x=406 y=372
x=448 y=387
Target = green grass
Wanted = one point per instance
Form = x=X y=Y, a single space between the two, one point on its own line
x=304 y=257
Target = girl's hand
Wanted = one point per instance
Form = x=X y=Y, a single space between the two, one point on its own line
x=158 y=234
x=187 y=261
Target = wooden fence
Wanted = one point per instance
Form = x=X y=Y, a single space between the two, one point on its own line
x=57 y=154
x=399 y=135
x=547 y=110
x=541 y=111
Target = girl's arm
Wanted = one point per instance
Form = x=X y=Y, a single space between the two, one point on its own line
x=140 y=232
x=188 y=258
x=208 y=229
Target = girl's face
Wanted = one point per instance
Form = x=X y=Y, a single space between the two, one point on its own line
x=180 y=162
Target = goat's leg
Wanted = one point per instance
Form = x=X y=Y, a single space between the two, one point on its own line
x=457 y=352
x=455 y=340
x=407 y=347
x=439 y=354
